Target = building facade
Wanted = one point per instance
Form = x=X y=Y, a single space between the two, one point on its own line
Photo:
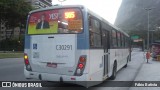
x=40 y=3
x=7 y=33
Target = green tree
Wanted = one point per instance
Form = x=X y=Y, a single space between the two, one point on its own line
x=14 y=13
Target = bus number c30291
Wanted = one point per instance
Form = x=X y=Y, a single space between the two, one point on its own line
x=63 y=47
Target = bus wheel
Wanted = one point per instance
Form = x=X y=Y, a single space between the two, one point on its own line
x=127 y=62
x=114 y=71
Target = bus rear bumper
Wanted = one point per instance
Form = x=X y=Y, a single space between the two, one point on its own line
x=79 y=80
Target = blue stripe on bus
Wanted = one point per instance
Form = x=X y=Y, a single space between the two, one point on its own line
x=27 y=42
x=82 y=42
x=83 y=39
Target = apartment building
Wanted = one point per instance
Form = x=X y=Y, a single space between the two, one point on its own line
x=40 y=3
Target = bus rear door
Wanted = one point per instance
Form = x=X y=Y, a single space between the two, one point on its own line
x=105 y=41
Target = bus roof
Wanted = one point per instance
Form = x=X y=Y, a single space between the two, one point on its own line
x=102 y=19
x=80 y=6
x=56 y=7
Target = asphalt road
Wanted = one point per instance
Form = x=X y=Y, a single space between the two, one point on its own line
x=11 y=69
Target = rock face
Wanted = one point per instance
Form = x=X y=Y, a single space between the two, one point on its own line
x=133 y=16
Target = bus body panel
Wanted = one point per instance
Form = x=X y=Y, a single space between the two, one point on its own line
x=119 y=55
x=59 y=50
x=96 y=64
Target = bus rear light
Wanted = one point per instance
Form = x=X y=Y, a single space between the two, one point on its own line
x=26 y=61
x=82 y=59
x=25 y=56
x=78 y=72
x=27 y=64
x=81 y=65
x=28 y=67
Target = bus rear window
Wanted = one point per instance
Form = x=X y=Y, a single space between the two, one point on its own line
x=55 y=21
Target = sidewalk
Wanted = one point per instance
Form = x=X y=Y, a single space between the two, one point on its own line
x=148 y=72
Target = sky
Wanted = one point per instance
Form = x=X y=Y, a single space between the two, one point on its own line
x=106 y=8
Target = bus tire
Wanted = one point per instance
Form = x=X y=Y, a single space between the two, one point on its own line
x=114 y=71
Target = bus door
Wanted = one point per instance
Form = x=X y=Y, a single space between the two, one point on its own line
x=105 y=41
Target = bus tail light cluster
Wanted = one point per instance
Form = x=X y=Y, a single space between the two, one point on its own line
x=81 y=65
x=27 y=64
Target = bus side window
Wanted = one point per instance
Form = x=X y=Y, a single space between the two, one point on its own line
x=94 y=32
x=91 y=38
x=119 y=39
x=114 y=39
x=89 y=19
x=122 y=40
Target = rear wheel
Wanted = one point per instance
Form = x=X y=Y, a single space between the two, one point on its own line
x=114 y=71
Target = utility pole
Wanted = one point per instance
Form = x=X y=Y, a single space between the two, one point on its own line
x=148 y=10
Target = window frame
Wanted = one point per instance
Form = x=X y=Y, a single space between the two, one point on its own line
x=90 y=17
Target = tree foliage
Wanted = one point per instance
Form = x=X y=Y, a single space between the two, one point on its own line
x=14 y=12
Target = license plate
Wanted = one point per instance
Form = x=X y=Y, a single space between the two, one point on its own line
x=54 y=65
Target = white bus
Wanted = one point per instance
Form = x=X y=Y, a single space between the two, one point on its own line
x=74 y=45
